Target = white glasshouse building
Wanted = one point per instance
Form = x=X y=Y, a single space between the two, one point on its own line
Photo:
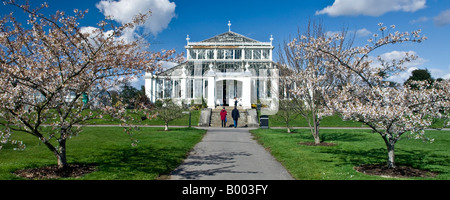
x=219 y=69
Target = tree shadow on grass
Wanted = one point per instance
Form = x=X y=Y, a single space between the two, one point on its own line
x=414 y=158
x=332 y=135
x=356 y=157
x=422 y=159
x=342 y=136
x=145 y=159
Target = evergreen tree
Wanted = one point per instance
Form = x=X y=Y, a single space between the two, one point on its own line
x=419 y=75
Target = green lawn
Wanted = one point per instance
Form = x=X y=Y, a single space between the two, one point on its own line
x=184 y=121
x=329 y=121
x=109 y=148
x=354 y=147
x=160 y=152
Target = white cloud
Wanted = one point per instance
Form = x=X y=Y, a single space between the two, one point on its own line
x=439 y=73
x=363 y=32
x=420 y=20
x=446 y=76
x=398 y=55
x=127 y=36
x=123 y=11
x=370 y=7
x=443 y=18
x=359 y=33
x=332 y=33
x=411 y=66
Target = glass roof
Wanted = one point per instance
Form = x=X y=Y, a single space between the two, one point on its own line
x=230 y=38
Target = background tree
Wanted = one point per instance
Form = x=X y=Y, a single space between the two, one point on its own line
x=367 y=97
x=309 y=78
x=114 y=96
x=128 y=95
x=287 y=113
x=142 y=100
x=168 y=112
x=49 y=63
x=419 y=75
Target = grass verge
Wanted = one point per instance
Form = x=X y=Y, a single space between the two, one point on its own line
x=353 y=148
x=109 y=149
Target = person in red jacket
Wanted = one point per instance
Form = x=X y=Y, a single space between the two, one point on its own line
x=223 y=117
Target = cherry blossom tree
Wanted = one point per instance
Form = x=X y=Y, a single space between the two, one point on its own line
x=50 y=64
x=168 y=111
x=366 y=96
x=309 y=78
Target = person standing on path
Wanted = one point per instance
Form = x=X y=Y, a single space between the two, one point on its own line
x=235 y=115
x=223 y=117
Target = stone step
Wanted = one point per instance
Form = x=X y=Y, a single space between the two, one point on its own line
x=217 y=122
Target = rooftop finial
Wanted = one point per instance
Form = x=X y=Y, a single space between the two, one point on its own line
x=229 y=26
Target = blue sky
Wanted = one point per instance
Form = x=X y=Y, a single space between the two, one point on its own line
x=257 y=19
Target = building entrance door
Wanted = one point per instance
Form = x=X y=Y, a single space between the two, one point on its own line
x=226 y=90
x=224 y=93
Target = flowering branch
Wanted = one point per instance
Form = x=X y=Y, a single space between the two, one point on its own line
x=48 y=66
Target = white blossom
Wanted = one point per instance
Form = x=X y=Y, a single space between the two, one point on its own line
x=364 y=95
x=48 y=65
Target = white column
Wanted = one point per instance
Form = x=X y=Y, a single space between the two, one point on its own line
x=211 y=93
x=164 y=88
x=246 y=89
x=274 y=85
x=211 y=87
x=274 y=92
x=153 y=99
x=173 y=89
x=188 y=54
x=270 y=54
x=193 y=88
x=246 y=93
x=203 y=88
x=263 y=88
x=183 y=88
x=148 y=85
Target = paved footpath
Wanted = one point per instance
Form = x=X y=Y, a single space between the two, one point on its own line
x=230 y=154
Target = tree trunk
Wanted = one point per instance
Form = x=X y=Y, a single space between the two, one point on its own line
x=316 y=135
x=316 y=131
x=61 y=154
x=287 y=126
x=391 y=155
x=166 y=126
x=62 y=161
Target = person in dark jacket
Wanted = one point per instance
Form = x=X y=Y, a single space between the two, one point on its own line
x=223 y=117
x=235 y=115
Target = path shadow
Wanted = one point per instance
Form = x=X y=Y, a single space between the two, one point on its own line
x=210 y=165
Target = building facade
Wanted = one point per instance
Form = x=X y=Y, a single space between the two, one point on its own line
x=217 y=70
